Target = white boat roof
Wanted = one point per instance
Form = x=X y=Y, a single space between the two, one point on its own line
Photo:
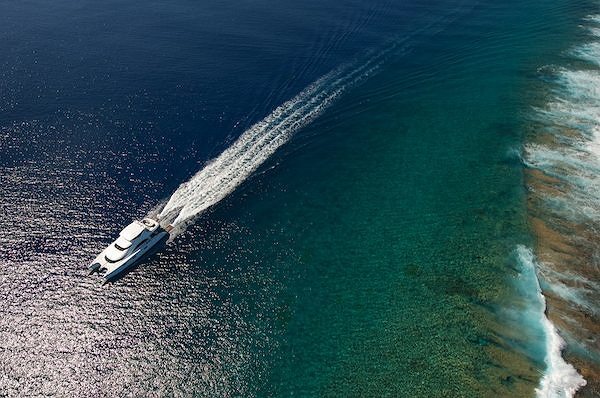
x=133 y=230
x=113 y=253
x=122 y=242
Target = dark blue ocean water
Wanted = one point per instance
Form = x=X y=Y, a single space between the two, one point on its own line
x=373 y=254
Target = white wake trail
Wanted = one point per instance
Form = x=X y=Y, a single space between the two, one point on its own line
x=224 y=174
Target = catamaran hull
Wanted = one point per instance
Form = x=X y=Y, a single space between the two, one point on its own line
x=136 y=242
x=113 y=271
x=150 y=248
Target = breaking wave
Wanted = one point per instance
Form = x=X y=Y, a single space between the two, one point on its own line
x=560 y=379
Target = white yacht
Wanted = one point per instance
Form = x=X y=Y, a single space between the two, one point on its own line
x=135 y=242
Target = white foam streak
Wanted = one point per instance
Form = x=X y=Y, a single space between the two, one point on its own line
x=561 y=379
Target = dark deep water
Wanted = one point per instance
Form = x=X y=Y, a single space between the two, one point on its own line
x=373 y=254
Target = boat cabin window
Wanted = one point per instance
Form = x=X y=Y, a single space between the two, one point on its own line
x=109 y=260
x=120 y=248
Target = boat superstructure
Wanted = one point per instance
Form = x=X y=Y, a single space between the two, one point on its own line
x=135 y=242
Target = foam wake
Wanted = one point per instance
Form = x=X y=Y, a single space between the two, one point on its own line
x=223 y=174
x=560 y=379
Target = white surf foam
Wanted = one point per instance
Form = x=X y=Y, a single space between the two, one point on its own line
x=589 y=52
x=594 y=31
x=561 y=379
x=573 y=115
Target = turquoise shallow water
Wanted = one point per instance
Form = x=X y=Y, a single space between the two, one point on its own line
x=372 y=254
x=396 y=217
